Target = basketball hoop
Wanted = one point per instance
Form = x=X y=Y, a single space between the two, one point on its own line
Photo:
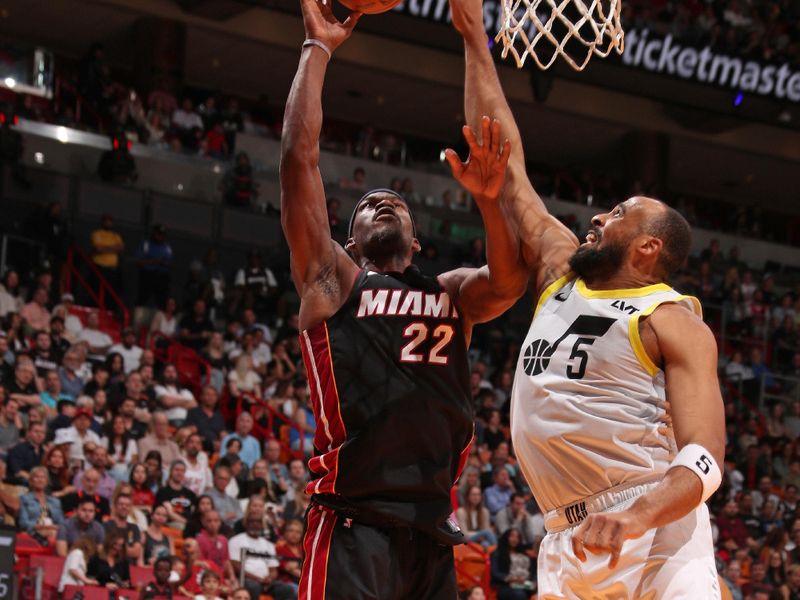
x=570 y=27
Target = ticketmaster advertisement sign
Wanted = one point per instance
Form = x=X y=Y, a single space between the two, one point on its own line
x=657 y=54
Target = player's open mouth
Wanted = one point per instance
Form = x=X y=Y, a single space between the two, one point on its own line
x=591 y=237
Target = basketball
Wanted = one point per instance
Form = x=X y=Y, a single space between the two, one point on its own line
x=370 y=7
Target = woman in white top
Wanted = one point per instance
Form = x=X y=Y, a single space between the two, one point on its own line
x=74 y=572
x=122 y=449
x=165 y=322
x=474 y=520
x=243 y=379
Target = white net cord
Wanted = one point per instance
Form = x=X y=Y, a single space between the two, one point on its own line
x=529 y=23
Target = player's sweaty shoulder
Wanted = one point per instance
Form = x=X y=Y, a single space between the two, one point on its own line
x=673 y=330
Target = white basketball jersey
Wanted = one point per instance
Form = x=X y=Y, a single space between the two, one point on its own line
x=585 y=408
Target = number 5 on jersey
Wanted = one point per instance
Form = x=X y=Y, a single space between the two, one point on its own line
x=419 y=333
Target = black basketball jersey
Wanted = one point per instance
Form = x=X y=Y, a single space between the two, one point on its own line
x=389 y=379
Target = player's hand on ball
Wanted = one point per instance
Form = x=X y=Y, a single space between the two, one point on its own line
x=484 y=171
x=604 y=533
x=321 y=24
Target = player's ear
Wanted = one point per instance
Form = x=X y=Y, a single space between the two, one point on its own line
x=416 y=247
x=348 y=245
x=651 y=246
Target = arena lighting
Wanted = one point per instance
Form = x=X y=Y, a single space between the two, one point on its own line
x=62 y=135
x=10 y=82
x=738 y=99
x=38 y=158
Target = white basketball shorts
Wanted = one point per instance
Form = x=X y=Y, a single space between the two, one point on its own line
x=675 y=562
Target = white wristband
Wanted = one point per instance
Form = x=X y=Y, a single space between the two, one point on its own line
x=701 y=462
x=318 y=44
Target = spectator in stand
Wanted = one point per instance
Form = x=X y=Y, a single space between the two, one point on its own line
x=232 y=122
x=785 y=342
x=473 y=518
x=733 y=533
x=357 y=183
x=35 y=314
x=156 y=475
x=130 y=352
x=83 y=524
x=198 y=475
x=111 y=568
x=216 y=145
x=45 y=357
x=99 y=341
x=244 y=381
x=165 y=321
x=279 y=474
x=251 y=450
x=75 y=565
x=120 y=525
x=194 y=524
x=732 y=574
x=23 y=387
x=155 y=267
x=260 y=574
x=498 y=495
x=143 y=497
x=161 y=588
x=530 y=527
x=214 y=355
x=82 y=435
x=239 y=188
x=97 y=457
x=106 y=247
x=175 y=496
x=195 y=566
x=26 y=455
x=207 y=420
x=213 y=545
x=290 y=553
x=188 y=125
x=255 y=286
x=11 y=424
x=71 y=382
x=195 y=329
x=10 y=299
x=173 y=398
x=513 y=574
x=121 y=447
x=159 y=439
x=39 y=513
x=758 y=581
x=52 y=394
x=228 y=507
x=791 y=589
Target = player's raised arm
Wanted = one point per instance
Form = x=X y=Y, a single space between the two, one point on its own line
x=546 y=244
x=314 y=255
x=485 y=293
x=686 y=347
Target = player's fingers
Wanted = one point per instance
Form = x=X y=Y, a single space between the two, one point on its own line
x=614 y=560
x=486 y=139
x=469 y=136
x=494 y=147
x=452 y=158
x=351 y=21
x=503 y=156
x=577 y=547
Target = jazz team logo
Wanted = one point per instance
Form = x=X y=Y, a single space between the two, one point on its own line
x=587 y=328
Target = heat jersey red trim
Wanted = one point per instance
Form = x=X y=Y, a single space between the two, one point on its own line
x=317 y=547
x=331 y=432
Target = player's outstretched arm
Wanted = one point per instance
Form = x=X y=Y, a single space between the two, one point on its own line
x=547 y=244
x=688 y=351
x=315 y=257
x=485 y=293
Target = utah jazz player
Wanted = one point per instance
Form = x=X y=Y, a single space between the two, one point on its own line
x=610 y=341
x=386 y=353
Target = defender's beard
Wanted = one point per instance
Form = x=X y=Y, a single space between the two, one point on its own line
x=384 y=243
x=593 y=264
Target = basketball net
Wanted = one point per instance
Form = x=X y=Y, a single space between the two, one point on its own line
x=528 y=27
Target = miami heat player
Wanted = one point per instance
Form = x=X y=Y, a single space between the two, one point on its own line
x=386 y=353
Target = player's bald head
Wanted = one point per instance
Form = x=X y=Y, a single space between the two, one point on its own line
x=668 y=225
